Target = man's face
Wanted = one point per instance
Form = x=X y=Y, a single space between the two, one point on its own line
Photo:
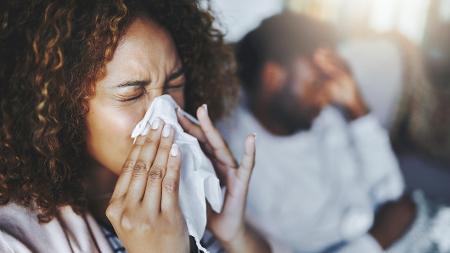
x=300 y=98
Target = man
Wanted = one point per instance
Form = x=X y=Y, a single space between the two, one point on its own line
x=326 y=179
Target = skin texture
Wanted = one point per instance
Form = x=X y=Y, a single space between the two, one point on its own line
x=143 y=208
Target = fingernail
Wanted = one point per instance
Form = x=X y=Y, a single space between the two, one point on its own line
x=156 y=123
x=166 y=130
x=254 y=136
x=174 y=150
x=205 y=106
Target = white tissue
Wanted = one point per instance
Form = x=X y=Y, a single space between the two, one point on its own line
x=198 y=178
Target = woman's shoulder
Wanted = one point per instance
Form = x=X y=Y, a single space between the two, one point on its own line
x=18 y=225
x=21 y=231
x=12 y=216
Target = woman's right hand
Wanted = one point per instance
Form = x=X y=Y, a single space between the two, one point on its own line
x=144 y=208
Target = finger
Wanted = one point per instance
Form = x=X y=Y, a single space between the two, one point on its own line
x=337 y=60
x=213 y=136
x=190 y=127
x=328 y=64
x=221 y=169
x=248 y=159
x=152 y=196
x=143 y=162
x=124 y=179
x=194 y=130
x=169 y=201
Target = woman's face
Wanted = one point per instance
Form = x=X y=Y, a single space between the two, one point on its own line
x=145 y=65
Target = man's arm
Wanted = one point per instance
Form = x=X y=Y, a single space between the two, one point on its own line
x=340 y=87
x=375 y=154
x=393 y=220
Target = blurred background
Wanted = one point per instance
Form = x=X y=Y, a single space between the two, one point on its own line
x=399 y=52
x=420 y=20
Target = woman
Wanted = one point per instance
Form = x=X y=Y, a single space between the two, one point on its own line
x=75 y=78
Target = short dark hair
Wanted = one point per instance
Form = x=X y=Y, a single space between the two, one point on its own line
x=280 y=38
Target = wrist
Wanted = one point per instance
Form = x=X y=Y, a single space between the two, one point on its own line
x=357 y=110
x=234 y=242
x=247 y=240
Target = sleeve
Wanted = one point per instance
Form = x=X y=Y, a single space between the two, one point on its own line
x=209 y=242
x=10 y=244
x=365 y=243
x=379 y=165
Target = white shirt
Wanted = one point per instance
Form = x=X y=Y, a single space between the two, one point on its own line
x=319 y=188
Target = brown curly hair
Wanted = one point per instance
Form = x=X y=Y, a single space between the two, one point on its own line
x=51 y=54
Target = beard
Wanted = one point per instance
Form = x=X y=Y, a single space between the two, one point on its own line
x=287 y=110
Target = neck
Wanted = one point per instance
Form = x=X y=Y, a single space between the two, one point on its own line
x=101 y=182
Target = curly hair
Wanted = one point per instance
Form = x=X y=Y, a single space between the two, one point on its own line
x=51 y=54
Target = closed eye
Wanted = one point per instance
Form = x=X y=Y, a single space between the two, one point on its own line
x=176 y=81
x=135 y=96
x=176 y=74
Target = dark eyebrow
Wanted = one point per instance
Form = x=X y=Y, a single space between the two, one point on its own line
x=179 y=72
x=134 y=83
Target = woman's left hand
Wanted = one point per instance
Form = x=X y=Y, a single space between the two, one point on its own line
x=229 y=226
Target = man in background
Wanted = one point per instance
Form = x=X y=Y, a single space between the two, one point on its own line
x=326 y=179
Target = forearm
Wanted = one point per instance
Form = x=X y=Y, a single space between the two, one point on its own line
x=248 y=241
x=357 y=109
x=392 y=221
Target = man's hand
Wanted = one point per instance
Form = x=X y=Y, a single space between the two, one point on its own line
x=340 y=87
x=392 y=221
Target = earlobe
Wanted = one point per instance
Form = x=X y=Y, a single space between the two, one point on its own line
x=273 y=76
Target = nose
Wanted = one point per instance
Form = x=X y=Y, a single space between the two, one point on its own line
x=144 y=104
x=148 y=102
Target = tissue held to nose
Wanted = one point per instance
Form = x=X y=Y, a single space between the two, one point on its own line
x=198 y=181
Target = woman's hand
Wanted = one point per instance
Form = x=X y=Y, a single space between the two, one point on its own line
x=144 y=208
x=228 y=226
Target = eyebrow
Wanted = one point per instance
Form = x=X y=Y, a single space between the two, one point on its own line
x=134 y=83
x=179 y=72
